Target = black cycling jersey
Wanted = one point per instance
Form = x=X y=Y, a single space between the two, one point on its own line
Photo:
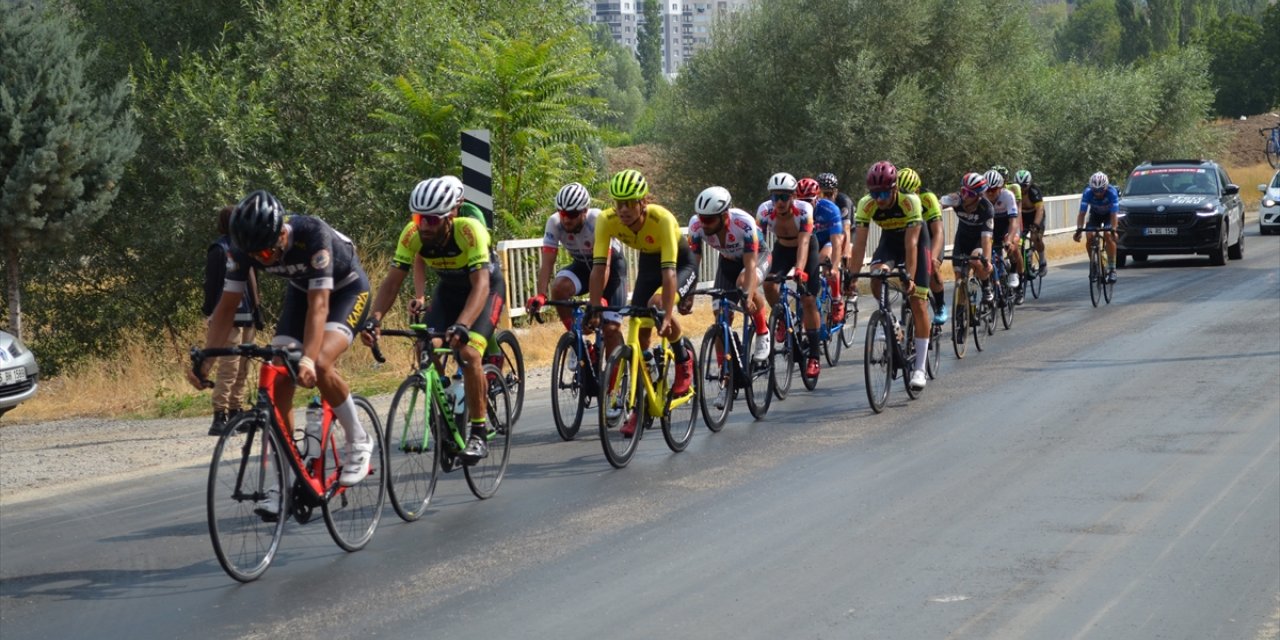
x=315 y=257
x=846 y=205
x=979 y=216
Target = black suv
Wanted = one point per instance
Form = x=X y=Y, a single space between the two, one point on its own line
x=1180 y=207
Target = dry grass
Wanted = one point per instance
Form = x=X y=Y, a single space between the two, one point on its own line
x=1249 y=178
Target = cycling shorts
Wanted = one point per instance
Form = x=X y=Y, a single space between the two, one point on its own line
x=784 y=260
x=728 y=271
x=892 y=251
x=448 y=302
x=348 y=307
x=967 y=239
x=649 y=280
x=1095 y=220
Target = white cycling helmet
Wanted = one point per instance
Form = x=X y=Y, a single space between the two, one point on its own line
x=433 y=196
x=782 y=182
x=994 y=179
x=454 y=182
x=712 y=201
x=1099 y=180
x=573 y=197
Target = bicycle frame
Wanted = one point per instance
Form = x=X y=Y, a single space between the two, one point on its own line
x=430 y=369
x=654 y=401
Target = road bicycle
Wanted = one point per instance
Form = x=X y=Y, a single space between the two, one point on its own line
x=1003 y=294
x=575 y=370
x=889 y=352
x=424 y=427
x=511 y=367
x=1099 y=286
x=829 y=331
x=967 y=312
x=726 y=362
x=1272 y=146
x=933 y=360
x=789 y=343
x=261 y=475
x=850 y=325
x=1032 y=268
x=636 y=391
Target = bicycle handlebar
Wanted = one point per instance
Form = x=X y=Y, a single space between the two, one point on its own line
x=290 y=357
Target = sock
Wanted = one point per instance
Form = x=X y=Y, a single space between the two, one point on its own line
x=477 y=427
x=677 y=347
x=922 y=349
x=762 y=323
x=813 y=343
x=350 y=420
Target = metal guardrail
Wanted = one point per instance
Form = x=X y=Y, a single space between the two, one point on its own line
x=520 y=258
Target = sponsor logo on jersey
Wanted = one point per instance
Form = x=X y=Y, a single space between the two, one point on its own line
x=320 y=260
x=353 y=318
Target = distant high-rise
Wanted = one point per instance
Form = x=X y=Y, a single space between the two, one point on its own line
x=686 y=25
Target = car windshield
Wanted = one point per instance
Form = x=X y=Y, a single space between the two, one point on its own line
x=1275 y=181
x=1176 y=181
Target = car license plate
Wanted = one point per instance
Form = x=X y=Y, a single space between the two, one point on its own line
x=1160 y=231
x=13 y=376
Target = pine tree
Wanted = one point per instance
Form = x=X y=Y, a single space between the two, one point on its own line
x=649 y=47
x=63 y=145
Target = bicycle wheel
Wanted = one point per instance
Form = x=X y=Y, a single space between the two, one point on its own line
x=1035 y=273
x=620 y=405
x=1096 y=277
x=352 y=513
x=413 y=460
x=908 y=346
x=680 y=415
x=512 y=370
x=717 y=385
x=568 y=402
x=933 y=365
x=960 y=313
x=831 y=346
x=248 y=467
x=1006 y=306
x=877 y=361
x=759 y=389
x=804 y=351
x=850 y=326
x=783 y=354
x=486 y=474
x=990 y=320
x=1272 y=151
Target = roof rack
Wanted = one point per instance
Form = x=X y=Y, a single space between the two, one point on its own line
x=1189 y=161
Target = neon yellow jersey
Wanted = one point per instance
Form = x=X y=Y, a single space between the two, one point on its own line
x=932 y=209
x=904 y=213
x=660 y=234
x=1016 y=189
x=465 y=251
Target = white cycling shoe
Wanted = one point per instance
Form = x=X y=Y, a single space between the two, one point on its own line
x=918 y=380
x=760 y=350
x=355 y=466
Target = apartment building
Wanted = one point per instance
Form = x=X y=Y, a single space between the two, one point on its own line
x=686 y=25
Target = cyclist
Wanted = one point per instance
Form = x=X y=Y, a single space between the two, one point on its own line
x=1032 y=207
x=904 y=239
x=909 y=182
x=667 y=271
x=831 y=191
x=975 y=226
x=829 y=234
x=1011 y=185
x=573 y=226
x=326 y=299
x=465 y=210
x=791 y=222
x=733 y=233
x=1102 y=202
x=468 y=297
x=1007 y=223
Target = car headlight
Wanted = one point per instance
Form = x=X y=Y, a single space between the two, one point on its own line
x=1268 y=202
x=1207 y=210
x=16 y=349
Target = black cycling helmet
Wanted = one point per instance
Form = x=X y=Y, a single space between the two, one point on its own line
x=828 y=181
x=255 y=224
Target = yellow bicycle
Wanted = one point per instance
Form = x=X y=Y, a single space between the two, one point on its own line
x=636 y=392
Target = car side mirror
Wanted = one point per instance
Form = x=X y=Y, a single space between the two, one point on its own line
x=1262 y=188
x=1232 y=189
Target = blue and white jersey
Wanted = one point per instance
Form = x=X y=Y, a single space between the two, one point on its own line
x=1092 y=201
x=827 y=221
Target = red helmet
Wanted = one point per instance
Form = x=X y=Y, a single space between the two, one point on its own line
x=974 y=182
x=883 y=176
x=807 y=189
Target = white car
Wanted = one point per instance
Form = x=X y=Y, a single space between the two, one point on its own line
x=18 y=372
x=1269 y=213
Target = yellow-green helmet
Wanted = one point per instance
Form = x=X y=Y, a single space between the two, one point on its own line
x=628 y=185
x=908 y=180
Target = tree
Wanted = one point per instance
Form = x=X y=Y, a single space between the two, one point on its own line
x=1091 y=34
x=63 y=144
x=649 y=46
x=621 y=82
x=1234 y=44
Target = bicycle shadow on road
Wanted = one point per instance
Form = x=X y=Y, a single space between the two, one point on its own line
x=106 y=584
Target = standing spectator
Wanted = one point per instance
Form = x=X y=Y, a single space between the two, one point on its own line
x=228 y=390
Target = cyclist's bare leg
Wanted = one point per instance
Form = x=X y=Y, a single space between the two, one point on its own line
x=473 y=380
x=1015 y=257
x=656 y=301
x=564 y=289
x=771 y=293
x=612 y=336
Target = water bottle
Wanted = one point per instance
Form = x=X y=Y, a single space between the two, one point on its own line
x=315 y=425
x=651 y=363
x=457 y=395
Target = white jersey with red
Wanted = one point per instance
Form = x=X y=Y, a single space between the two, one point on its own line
x=802 y=216
x=741 y=235
x=579 y=244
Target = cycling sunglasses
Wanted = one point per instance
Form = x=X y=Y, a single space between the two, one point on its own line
x=710 y=218
x=970 y=193
x=881 y=195
x=428 y=219
x=781 y=197
x=571 y=215
x=265 y=255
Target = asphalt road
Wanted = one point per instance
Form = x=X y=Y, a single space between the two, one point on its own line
x=1095 y=473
